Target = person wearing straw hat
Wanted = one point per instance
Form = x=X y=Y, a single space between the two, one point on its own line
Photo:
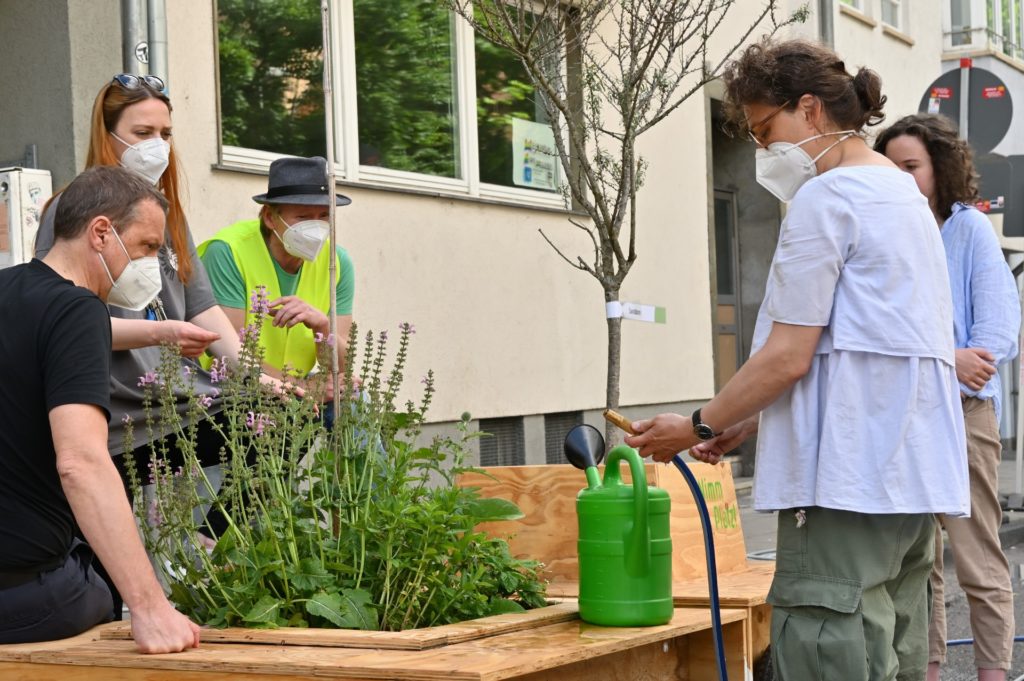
x=284 y=251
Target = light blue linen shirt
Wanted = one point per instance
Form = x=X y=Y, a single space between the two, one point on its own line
x=986 y=309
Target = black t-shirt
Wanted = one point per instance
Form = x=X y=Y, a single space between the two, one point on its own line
x=54 y=350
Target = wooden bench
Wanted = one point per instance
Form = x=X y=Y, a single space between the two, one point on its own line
x=534 y=646
x=548 y=532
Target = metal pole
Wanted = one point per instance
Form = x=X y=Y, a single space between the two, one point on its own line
x=157 y=22
x=1019 y=435
x=332 y=209
x=134 y=42
x=965 y=96
x=826 y=24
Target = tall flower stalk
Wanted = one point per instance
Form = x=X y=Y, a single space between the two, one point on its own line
x=362 y=526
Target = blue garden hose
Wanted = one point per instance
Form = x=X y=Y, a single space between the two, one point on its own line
x=970 y=641
x=709 y=550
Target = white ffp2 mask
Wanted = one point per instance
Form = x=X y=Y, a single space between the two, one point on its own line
x=149 y=158
x=784 y=167
x=304 y=239
x=137 y=285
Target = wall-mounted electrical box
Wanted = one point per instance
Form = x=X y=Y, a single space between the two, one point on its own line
x=23 y=193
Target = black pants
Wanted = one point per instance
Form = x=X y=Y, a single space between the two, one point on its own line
x=208 y=446
x=57 y=604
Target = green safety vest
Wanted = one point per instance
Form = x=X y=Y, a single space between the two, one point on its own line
x=282 y=346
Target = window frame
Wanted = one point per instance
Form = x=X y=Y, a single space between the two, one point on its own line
x=899 y=14
x=347 y=167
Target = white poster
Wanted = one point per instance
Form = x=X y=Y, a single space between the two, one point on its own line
x=534 y=159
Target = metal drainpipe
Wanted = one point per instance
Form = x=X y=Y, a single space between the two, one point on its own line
x=157 y=22
x=826 y=26
x=133 y=37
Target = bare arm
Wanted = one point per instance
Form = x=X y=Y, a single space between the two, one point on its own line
x=128 y=334
x=94 y=491
x=784 y=360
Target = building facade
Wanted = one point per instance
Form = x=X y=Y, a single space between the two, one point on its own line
x=443 y=230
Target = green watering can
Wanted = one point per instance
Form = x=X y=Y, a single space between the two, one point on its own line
x=625 y=549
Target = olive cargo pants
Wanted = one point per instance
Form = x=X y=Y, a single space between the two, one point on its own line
x=850 y=596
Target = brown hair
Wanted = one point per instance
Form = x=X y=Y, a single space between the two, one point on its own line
x=952 y=160
x=779 y=73
x=110 y=103
x=108 y=191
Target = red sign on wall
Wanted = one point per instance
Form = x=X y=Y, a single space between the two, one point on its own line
x=942 y=92
x=994 y=92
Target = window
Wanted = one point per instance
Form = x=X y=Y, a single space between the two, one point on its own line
x=505 y=442
x=420 y=102
x=516 y=144
x=891 y=10
x=406 y=87
x=960 y=22
x=271 y=76
x=556 y=427
x=856 y=4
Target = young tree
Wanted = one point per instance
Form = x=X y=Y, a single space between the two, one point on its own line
x=606 y=72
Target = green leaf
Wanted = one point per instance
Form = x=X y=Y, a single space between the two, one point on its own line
x=487 y=510
x=264 y=612
x=348 y=610
x=502 y=606
x=310 y=575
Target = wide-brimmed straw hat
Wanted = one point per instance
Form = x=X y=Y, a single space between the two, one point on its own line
x=301 y=181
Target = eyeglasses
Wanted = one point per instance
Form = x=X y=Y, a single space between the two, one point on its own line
x=750 y=128
x=129 y=81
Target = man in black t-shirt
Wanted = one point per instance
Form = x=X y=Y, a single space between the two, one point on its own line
x=55 y=469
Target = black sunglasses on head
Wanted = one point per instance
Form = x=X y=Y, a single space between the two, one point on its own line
x=129 y=81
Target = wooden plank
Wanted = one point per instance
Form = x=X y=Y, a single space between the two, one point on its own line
x=414 y=639
x=16 y=652
x=501 y=657
x=19 y=671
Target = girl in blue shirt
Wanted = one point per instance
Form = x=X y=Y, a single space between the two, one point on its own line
x=986 y=322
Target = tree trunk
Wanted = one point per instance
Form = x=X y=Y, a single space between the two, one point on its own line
x=611 y=433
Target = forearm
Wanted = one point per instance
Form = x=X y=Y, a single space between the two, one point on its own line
x=759 y=382
x=94 y=491
x=128 y=334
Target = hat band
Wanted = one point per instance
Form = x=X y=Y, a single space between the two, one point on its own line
x=296 y=189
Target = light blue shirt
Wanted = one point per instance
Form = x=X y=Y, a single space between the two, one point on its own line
x=986 y=310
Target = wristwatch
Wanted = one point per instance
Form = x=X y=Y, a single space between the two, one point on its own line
x=701 y=429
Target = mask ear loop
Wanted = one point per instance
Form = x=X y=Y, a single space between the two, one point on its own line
x=846 y=134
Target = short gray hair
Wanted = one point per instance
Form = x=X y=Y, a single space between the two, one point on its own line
x=108 y=191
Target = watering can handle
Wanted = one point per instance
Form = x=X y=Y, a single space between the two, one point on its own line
x=638 y=545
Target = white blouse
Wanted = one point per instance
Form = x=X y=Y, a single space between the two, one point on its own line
x=876 y=425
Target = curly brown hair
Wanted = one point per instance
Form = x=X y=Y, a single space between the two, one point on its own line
x=779 y=73
x=956 y=180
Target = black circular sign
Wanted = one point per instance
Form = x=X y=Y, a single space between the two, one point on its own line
x=990 y=106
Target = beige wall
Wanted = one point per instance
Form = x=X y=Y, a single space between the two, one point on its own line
x=508 y=327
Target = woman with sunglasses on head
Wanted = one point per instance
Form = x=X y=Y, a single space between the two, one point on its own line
x=986 y=321
x=131 y=127
x=851 y=383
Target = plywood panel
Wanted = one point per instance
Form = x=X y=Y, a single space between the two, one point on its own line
x=415 y=639
x=549 y=530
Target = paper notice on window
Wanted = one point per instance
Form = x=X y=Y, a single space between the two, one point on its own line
x=534 y=159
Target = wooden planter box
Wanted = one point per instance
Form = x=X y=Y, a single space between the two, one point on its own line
x=543 y=645
x=549 y=532
x=549 y=644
